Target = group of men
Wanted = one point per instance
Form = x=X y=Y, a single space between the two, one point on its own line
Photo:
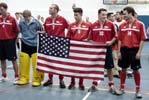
x=130 y=36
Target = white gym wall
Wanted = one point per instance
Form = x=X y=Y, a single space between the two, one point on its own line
x=90 y=7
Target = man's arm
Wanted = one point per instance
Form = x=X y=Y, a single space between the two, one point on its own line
x=138 y=55
x=119 y=49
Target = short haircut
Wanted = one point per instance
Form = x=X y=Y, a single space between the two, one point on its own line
x=130 y=10
x=120 y=12
x=78 y=10
x=56 y=7
x=27 y=13
x=4 y=5
x=101 y=9
x=17 y=13
x=109 y=14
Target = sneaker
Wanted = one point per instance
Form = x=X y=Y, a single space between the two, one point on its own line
x=23 y=81
x=119 y=92
x=71 y=86
x=15 y=81
x=138 y=95
x=36 y=84
x=48 y=83
x=116 y=76
x=62 y=84
x=112 y=90
x=81 y=87
x=93 y=89
x=129 y=75
x=4 y=79
x=105 y=75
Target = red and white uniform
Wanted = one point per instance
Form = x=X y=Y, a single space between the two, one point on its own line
x=89 y=23
x=103 y=33
x=131 y=35
x=8 y=28
x=79 y=31
x=56 y=27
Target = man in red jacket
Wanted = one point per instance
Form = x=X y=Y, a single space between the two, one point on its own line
x=103 y=32
x=8 y=35
x=55 y=25
x=78 y=30
x=130 y=40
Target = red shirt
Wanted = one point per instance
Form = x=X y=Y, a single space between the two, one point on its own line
x=78 y=32
x=56 y=27
x=115 y=47
x=103 y=33
x=131 y=35
x=8 y=28
x=89 y=23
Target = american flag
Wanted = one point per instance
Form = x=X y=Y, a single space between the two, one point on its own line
x=62 y=56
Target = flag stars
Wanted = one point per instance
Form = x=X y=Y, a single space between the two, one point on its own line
x=55 y=54
x=66 y=56
x=54 y=46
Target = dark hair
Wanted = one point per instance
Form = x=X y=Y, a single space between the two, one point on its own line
x=101 y=9
x=120 y=12
x=130 y=10
x=56 y=7
x=4 y=5
x=78 y=10
x=109 y=14
x=17 y=13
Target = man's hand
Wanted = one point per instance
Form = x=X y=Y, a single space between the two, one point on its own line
x=85 y=40
x=138 y=55
x=108 y=43
x=41 y=32
x=119 y=55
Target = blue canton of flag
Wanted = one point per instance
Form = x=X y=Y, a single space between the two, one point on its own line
x=54 y=46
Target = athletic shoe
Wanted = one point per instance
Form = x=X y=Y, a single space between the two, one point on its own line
x=16 y=80
x=62 y=84
x=81 y=87
x=119 y=92
x=138 y=95
x=71 y=86
x=4 y=79
x=48 y=83
x=93 y=89
x=112 y=90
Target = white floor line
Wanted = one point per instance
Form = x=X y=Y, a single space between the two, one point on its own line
x=10 y=66
x=86 y=96
x=89 y=93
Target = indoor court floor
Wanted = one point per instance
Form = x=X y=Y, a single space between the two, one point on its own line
x=8 y=91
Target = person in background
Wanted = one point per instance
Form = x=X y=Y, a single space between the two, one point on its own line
x=17 y=15
x=38 y=17
x=73 y=6
x=42 y=20
x=119 y=18
x=18 y=18
x=87 y=21
x=116 y=69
